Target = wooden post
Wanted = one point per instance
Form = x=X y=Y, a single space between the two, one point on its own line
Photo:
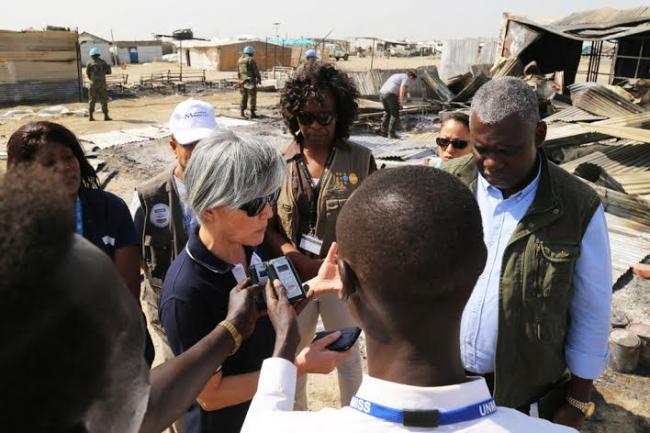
x=80 y=77
x=372 y=59
x=114 y=57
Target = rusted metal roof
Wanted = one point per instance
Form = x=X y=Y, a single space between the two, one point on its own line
x=573 y=115
x=603 y=19
x=628 y=164
x=596 y=24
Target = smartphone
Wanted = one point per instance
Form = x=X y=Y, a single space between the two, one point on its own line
x=282 y=269
x=259 y=274
x=277 y=269
x=348 y=337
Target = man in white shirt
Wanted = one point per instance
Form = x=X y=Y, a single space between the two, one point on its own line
x=408 y=298
x=393 y=95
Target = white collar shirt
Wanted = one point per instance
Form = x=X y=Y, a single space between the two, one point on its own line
x=271 y=408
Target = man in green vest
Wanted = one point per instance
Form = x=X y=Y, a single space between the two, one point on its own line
x=249 y=77
x=162 y=217
x=537 y=322
x=96 y=71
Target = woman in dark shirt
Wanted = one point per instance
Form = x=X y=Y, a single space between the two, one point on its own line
x=232 y=183
x=101 y=217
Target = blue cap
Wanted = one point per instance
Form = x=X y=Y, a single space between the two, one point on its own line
x=94 y=52
x=310 y=54
x=249 y=50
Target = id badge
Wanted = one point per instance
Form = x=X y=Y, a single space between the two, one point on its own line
x=311 y=244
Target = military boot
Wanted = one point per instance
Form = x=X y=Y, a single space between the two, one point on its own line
x=106 y=117
x=253 y=115
x=91 y=118
x=243 y=114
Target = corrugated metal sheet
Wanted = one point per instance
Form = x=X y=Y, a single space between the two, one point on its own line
x=575 y=134
x=629 y=243
x=460 y=54
x=598 y=24
x=395 y=149
x=573 y=115
x=604 y=19
x=599 y=100
x=628 y=164
x=470 y=90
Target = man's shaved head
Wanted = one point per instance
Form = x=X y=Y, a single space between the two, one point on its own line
x=66 y=318
x=413 y=237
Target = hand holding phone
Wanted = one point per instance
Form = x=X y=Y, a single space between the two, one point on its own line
x=345 y=342
x=317 y=358
x=277 y=269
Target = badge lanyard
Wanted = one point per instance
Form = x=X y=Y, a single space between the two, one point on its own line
x=315 y=187
x=80 y=218
x=425 y=418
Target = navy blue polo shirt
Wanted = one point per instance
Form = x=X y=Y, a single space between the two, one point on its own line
x=194 y=300
x=107 y=222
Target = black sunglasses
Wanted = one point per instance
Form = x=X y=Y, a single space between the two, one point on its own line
x=456 y=143
x=256 y=206
x=307 y=118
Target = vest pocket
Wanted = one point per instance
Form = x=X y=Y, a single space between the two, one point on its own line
x=555 y=266
x=333 y=207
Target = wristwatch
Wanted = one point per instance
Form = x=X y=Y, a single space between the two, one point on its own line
x=587 y=408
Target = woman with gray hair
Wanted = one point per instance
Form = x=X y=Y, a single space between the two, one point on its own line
x=233 y=183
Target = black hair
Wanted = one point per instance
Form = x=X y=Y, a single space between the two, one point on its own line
x=24 y=143
x=53 y=353
x=311 y=81
x=412 y=73
x=461 y=118
x=413 y=235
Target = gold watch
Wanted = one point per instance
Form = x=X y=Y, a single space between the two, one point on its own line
x=587 y=408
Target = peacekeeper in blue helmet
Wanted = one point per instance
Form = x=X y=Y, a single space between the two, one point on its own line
x=96 y=71
x=249 y=77
x=311 y=57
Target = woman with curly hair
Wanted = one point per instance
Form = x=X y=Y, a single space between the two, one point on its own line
x=318 y=106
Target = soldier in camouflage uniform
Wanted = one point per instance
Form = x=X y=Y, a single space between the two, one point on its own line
x=249 y=77
x=96 y=70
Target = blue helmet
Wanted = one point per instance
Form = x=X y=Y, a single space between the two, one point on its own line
x=311 y=54
x=249 y=50
x=94 y=52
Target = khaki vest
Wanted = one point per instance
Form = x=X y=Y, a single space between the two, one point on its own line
x=350 y=160
x=161 y=245
x=536 y=282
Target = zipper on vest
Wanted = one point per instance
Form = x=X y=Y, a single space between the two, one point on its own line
x=538 y=274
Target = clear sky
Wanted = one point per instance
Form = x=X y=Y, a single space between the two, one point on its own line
x=423 y=20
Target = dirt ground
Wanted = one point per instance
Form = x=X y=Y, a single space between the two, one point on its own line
x=354 y=63
x=623 y=399
x=142 y=111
